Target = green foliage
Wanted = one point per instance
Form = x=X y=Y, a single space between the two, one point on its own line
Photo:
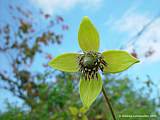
x=13 y=113
x=78 y=113
x=60 y=101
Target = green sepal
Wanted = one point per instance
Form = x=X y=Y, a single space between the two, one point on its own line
x=118 y=60
x=88 y=36
x=67 y=62
x=89 y=90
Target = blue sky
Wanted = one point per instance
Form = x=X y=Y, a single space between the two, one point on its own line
x=117 y=21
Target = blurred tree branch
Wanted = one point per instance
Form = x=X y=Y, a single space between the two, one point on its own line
x=21 y=41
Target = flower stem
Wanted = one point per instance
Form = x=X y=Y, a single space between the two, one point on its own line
x=109 y=104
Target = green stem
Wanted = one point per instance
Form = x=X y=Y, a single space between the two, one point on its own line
x=109 y=104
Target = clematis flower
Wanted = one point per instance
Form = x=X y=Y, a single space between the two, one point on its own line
x=91 y=61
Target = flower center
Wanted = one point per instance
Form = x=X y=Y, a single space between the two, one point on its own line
x=89 y=61
x=89 y=64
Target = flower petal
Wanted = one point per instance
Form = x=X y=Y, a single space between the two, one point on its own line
x=88 y=36
x=89 y=90
x=118 y=60
x=67 y=62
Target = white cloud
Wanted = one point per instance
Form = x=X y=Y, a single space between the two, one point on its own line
x=133 y=22
x=151 y=40
x=52 y=6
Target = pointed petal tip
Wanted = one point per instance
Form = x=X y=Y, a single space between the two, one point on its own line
x=137 y=61
x=85 y=17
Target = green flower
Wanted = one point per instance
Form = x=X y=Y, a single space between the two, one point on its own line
x=91 y=61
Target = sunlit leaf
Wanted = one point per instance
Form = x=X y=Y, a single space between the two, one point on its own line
x=83 y=109
x=65 y=62
x=88 y=37
x=84 y=117
x=89 y=90
x=73 y=110
x=118 y=60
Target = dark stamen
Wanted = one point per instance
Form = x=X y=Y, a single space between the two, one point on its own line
x=89 y=64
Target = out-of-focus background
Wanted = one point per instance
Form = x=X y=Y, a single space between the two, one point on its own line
x=32 y=32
